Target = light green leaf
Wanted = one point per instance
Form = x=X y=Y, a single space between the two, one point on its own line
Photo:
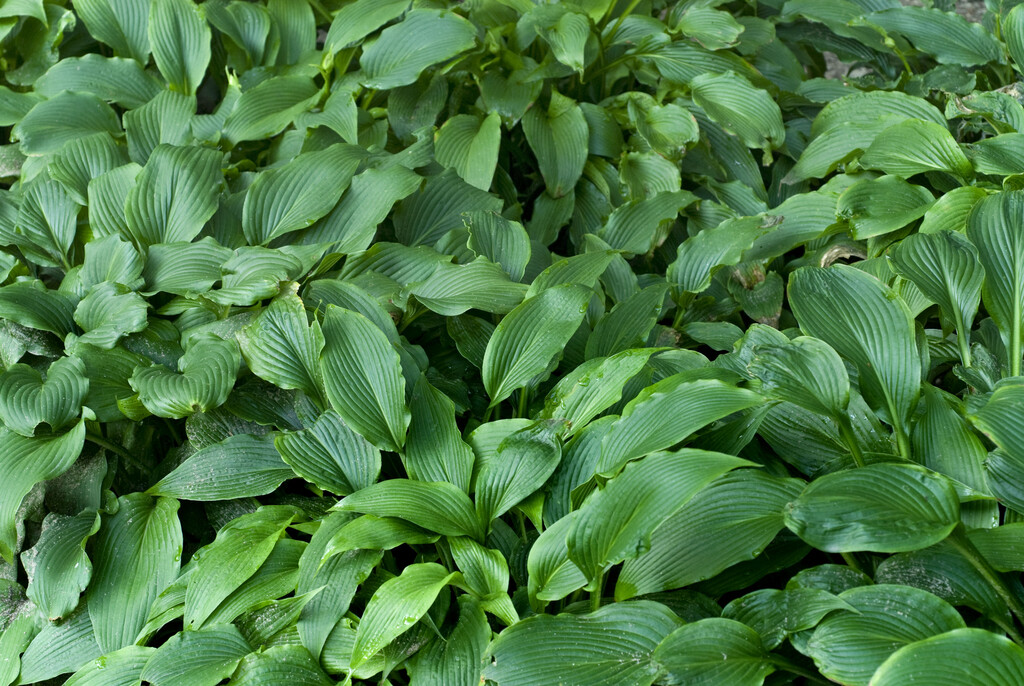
x=359 y=19
x=434 y=449
x=268 y=108
x=60 y=648
x=294 y=196
x=946 y=35
x=664 y=414
x=698 y=257
x=436 y=506
x=106 y=195
x=118 y=668
x=639 y=226
x=848 y=647
x=47 y=222
x=121 y=24
x=629 y=323
x=886 y=508
x=913 y=147
x=63 y=118
x=617 y=522
x=530 y=339
x=283 y=348
x=593 y=387
x=202 y=658
x=396 y=606
x=459 y=659
x=714 y=651
x=470 y=145
x=83 y=159
x=455 y=288
x=114 y=79
x=613 y=646
x=363 y=378
x=174 y=195
x=330 y=455
x=422 y=39
x=874 y=207
x=583 y=269
x=775 y=614
x=424 y=217
x=185 y=269
x=28 y=399
x=238 y=467
x=552 y=574
x=180 y=38
x=167 y=118
x=994 y=661
x=280 y=664
x=206 y=374
x=107 y=313
x=145 y=530
x=500 y=240
x=741 y=109
x=558 y=137
x=713 y=29
x=521 y=464
x=804 y=371
x=60 y=569
x=31 y=304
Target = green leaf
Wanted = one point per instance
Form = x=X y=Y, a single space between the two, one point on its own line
x=283 y=348
x=145 y=530
x=990 y=227
x=436 y=506
x=434 y=449
x=530 y=339
x=714 y=651
x=583 y=269
x=638 y=226
x=459 y=659
x=203 y=657
x=994 y=661
x=82 y=160
x=359 y=19
x=25 y=462
x=31 y=304
x=107 y=313
x=294 y=196
x=363 y=378
x=237 y=467
x=552 y=574
x=63 y=118
x=617 y=522
x=804 y=371
x=28 y=399
x=234 y=556
x=998 y=419
x=945 y=443
x=612 y=646
x=280 y=664
x=330 y=455
x=950 y=38
x=848 y=647
x=593 y=387
x=455 y=288
x=121 y=24
x=268 y=108
x=396 y=606
x=629 y=323
x=664 y=414
x=866 y=323
x=422 y=39
x=174 y=195
x=886 y=508
x=748 y=112
x=206 y=374
x=711 y=28
x=777 y=614
x=558 y=138
x=47 y=222
x=118 y=668
x=913 y=147
x=60 y=648
x=500 y=240
x=469 y=145
x=520 y=465
x=167 y=118
x=732 y=520
x=185 y=269
x=875 y=207
x=114 y=79
x=106 y=195
x=180 y=38
x=698 y=257
x=60 y=568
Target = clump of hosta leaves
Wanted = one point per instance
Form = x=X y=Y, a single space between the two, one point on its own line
x=594 y=342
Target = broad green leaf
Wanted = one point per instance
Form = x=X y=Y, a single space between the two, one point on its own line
x=346 y=294
x=28 y=398
x=107 y=313
x=203 y=657
x=25 y=462
x=629 y=323
x=950 y=38
x=583 y=269
x=999 y=420
x=714 y=651
x=434 y=449
x=145 y=530
x=239 y=466
x=868 y=107
x=874 y=207
x=174 y=195
x=480 y=285
x=944 y=442
x=485 y=572
x=363 y=378
x=68 y=115
x=235 y=555
x=422 y=39
x=667 y=412
x=185 y=269
x=121 y=667
x=731 y=520
x=698 y=257
x=804 y=371
x=848 y=647
x=268 y=108
x=20 y=626
x=567 y=36
x=375 y=533
x=60 y=648
x=459 y=659
x=106 y=195
x=552 y=574
x=837 y=145
x=991 y=226
x=558 y=138
x=864 y=321
x=913 y=147
x=530 y=339
x=741 y=109
x=395 y=606
x=121 y=24
x=617 y=522
x=294 y=196
x=886 y=508
x=639 y=226
x=47 y=223
x=999 y=155
x=82 y=160
x=31 y=304
x=711 y=28
x=994 y=661
x=280 y=664
x=164 y=119
x=500 y=240
x=246 y=25
x=205 y=377
x=114 y=79
x=330 y=455
x=436 y=506
x=180 y=39
x=593 y=387
x=359 y=19
x=60 y=568
x=275 y=577
x=775 y=614
x=521 y=464
x=612 y=646
x=283 y=348
x=470 y=145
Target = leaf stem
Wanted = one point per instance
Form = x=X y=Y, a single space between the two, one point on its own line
x=524 y=403
x=851 y=562
x=846 y=431
x=959 y=540
x=595 y=595
x=116 y=449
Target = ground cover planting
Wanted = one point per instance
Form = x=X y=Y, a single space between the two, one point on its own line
x=593 y=342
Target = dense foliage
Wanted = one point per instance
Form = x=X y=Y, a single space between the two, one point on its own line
x=584 y=342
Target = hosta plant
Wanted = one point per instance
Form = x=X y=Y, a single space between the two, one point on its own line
x=594 y=342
